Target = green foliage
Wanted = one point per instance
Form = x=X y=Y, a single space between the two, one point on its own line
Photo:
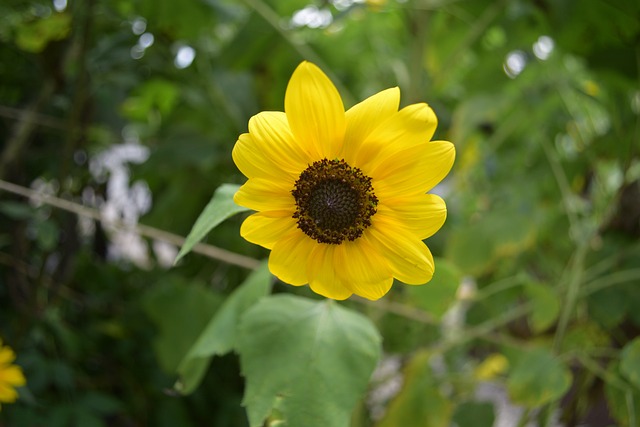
x=545 y=306
x=420 y=402
x=538 y=378
x=220 y=335
x=630 y=362
x=536 y=265
x=217 y=210
x=180 y=312
x=472 y=414
x=440 y=293
x=305 y=362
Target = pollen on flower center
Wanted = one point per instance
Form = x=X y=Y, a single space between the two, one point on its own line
x=334 y=201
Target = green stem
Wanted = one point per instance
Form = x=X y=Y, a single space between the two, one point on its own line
x=524 y=418
x=304 y=50
x=499 y=286
x=610 y=280
x=572 y=293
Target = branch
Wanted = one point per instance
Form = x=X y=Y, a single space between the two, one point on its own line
x=143 y=230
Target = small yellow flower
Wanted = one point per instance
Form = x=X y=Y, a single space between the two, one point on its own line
x=10 y=375
x=341 y=197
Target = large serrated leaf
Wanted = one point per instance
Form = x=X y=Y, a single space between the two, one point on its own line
x=538 y=378
x=305 y=362
x=219 y=208
x=219 y=336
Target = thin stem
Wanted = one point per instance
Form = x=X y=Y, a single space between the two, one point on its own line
x=610 y=280
x=524 y=418
x=475 y=32
x=303 y=49
x=399 y=309
x=484 y=329
x=26 y=124
x=498 y=286
x=143 y=230
x=602 y=266
x=562 y=181
x=631 y=407
x=573 y=291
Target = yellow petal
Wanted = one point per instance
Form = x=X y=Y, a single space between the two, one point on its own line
x=414 y=124
x=7 y=394
x=363 y=270
x=273 y=138
x=12 y=375
x=364 y=117
x=253 y=162
x=266 y=228
x=322 y=270
x=265 y=195
x=421 y=214
x=289 y=257
x=409 y=258
x=414 y=170
x=315 y=111
x=6 y=355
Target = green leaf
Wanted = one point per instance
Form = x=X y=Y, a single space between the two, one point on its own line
x=546 y=306
x=608 y=306
x=623 y=400
x=440 y=293
x=420 y=402
x=306 y=362
x=154 y=95
x=472 y=414
x=219 y=208
x=219 y=336
x=476 y=248
x=538 y=378
x=16 y=210
x=180 y=311
x=630 y=362
x=36 y=35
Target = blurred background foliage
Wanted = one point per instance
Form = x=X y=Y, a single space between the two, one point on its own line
x=130 y=108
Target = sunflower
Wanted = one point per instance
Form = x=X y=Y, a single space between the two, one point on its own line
x=341 y=197
x=10 y=375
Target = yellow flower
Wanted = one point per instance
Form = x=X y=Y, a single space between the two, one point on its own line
x=10 y=375
x=341 y=196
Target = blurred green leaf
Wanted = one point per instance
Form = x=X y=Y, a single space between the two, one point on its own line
x=155 y=95
x=630 y=362
x=34 y=36
x=538 y=378
x=475 y=248
x=219 y=208
x=585 y=336
x=16 y=210
x=101 y=403
x=546 y=306
x=180 y=311
x=474 y=414
x=306 y=360
x=420 y=402
x=608 y=306
x=219 y=336
x=47 y=234
x=623 y=400
x=439 y=294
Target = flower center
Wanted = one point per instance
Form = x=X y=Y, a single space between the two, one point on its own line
x=334 y=201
